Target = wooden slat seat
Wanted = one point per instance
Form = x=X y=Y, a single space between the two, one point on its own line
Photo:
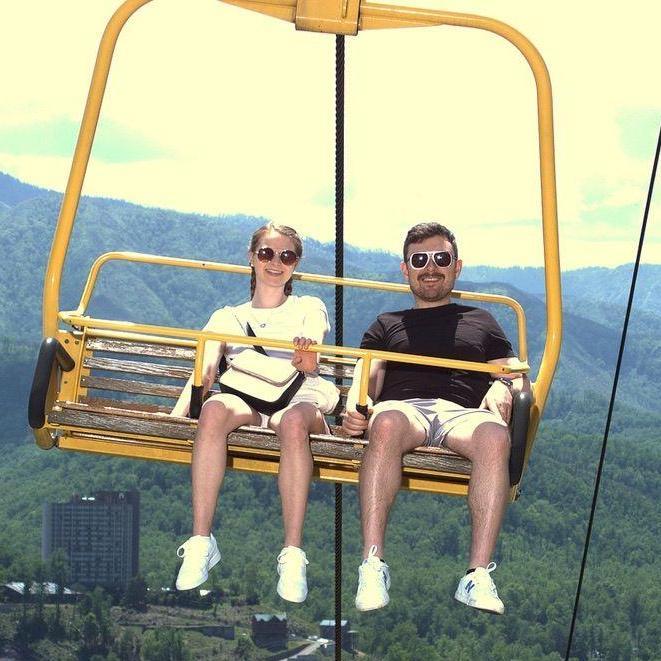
x=127 y=414
x=136 y=424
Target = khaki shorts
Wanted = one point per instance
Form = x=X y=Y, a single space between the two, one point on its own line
x=315 y=390
x=438 y=417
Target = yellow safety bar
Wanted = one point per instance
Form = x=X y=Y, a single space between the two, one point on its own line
x=346 y=17
x=202 y=337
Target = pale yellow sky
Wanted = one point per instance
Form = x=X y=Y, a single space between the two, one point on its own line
x=217 y=110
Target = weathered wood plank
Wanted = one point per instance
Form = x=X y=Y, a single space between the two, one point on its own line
x=140 y=348
x=137 y=367
x=101 y=402
x=126 y=385
x=340 y=371
x=163 y=351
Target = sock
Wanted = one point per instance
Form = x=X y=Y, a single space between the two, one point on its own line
x=471 y=570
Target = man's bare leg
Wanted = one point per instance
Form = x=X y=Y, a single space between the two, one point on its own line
x=391 y=434
x=220 y=415
x=293 y=427
x=487 y=445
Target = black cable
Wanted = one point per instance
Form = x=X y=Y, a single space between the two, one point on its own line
x=612 y=400
x=339 y=307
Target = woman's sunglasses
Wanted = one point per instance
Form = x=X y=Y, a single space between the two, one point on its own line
x=287 y=257
x=418 y=260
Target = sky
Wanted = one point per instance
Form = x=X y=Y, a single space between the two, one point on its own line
x=217 y=110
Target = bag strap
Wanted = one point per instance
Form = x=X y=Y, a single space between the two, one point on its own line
x=251 y=333
x=223 y=365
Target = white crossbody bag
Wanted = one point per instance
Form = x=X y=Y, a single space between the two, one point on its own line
x=264 y=382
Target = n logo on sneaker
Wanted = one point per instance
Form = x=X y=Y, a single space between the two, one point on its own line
x=469 y=586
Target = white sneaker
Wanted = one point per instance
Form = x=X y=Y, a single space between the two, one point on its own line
x=200 y=554
x=292 y=584
x=478 y=590
x=373 y=583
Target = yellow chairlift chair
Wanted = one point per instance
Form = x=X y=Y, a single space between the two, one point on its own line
x=96 y=381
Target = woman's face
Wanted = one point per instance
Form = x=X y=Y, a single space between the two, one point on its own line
x=273 y=272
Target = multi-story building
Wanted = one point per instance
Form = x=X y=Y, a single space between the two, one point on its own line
x=99 y=535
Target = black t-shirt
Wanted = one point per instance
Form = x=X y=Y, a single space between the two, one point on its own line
x=453 y=331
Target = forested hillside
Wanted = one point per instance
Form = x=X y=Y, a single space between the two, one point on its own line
x=540 y=548
x=173 y=296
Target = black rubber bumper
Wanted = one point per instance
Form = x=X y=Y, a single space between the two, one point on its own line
x=52 y=355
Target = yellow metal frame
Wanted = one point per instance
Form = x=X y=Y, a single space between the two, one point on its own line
x=318 y=15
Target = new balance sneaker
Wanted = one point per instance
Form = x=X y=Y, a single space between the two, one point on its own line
x=292 y=584
x=373 y=583
x=200 y=554
x=478 y=590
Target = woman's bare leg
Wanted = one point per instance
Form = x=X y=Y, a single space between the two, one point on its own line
x=220 y=415
x=293 y=426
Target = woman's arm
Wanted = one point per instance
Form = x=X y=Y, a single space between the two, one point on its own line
x=213 y=352
x=315 y=327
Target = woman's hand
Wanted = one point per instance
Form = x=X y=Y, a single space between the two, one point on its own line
x=304 y=360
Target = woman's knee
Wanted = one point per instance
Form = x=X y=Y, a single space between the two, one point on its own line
x=215 y=417
x=293 y=425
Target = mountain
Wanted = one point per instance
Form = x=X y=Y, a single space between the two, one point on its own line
x=13 y=191
x=594 y=298
x=541 y=544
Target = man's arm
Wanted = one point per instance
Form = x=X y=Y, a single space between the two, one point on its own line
x=355 y=423
x=499 y=396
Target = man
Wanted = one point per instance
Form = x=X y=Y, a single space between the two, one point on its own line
x=466 y=412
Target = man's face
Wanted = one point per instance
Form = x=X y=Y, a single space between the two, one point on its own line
x=432 y=284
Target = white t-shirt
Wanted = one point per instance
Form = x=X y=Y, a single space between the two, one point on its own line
x=298 y=316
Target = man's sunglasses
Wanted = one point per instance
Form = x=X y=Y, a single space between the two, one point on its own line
x=418 y=260
x=287 y=257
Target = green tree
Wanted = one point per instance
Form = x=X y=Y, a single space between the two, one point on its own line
x=135 y=596
x=97 y=603
x=251 y=585
x=39 y=580
x=244 y=649
x=164 y=645
x=90 y=635
x=58 y=571
x=23 y=630
x=127 y=646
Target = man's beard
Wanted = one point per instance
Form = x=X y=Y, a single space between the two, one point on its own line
x=431 y=295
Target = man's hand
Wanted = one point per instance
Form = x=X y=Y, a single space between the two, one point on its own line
x=304 y=360
x=355 y=423
x=498 y=400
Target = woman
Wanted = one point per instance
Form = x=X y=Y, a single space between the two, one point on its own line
x=272 y=312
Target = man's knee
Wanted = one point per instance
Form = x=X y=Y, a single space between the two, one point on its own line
x=387 y=429
x=493 y=438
